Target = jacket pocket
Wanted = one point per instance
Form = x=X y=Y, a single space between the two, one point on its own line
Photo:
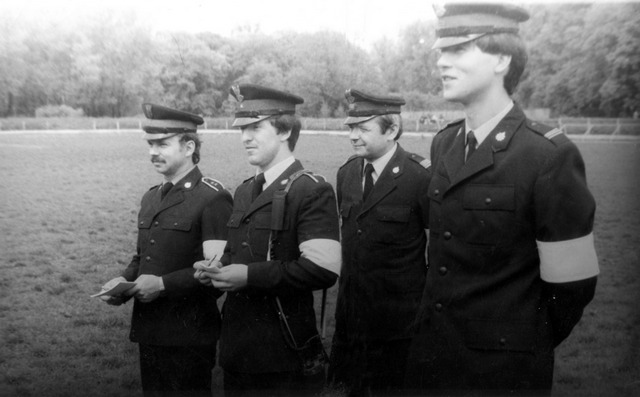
x=492 y=334
x=489 y=198
x=234 y=220
x=395 y=213
x=180 y=224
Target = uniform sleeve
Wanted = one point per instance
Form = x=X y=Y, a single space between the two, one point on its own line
x=130 y=273
x=564 y=235
x=320 y=257
x=213 y=222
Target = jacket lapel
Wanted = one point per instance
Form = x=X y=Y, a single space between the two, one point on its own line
x=386 y=183
x=176 y=194
x=266 y=197
x=498 y=140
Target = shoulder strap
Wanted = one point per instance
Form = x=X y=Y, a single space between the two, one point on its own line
x=280 y=196
x=277 y=222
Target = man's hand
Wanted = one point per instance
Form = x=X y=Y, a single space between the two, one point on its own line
x=204 y=270
x=147 y=288
x=113 y=300
x=230 y=278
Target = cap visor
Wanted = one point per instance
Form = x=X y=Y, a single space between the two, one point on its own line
x=444 y=42
x=244 y=121
x=356 y=120
x=157 y=137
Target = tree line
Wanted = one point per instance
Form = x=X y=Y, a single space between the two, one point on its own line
x=584 y=60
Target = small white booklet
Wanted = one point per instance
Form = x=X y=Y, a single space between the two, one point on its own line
x=116 y=290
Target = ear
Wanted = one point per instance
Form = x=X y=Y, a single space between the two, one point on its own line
x=392 y=132
x=189 y=147
x=502 y=66
x=284 y=136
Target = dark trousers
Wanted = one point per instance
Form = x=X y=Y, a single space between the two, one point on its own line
x=176 y=370
x=371 y=368
x=279 y=384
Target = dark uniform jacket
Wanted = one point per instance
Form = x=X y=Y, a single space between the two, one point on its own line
x=170 y=236
x=383 y=249
x=253 y=338
x=488 y=319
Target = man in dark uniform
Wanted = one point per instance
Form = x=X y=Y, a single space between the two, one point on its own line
x=384 y=220
x=282 y=246
x=183 y=220
x=512 y=259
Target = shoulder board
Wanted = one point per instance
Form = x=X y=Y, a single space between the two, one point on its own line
x=212 y=183
x=552 y=134
x=350 y=159
x=298 y=174
x=426 y=163
x=451 y=124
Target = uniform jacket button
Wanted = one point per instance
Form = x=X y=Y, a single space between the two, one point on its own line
x=443 y=270
x=438 y=307
x=148 y=258
x=244 y=244
x=436 y=192
x=359 y=232
x=447 y=235
x=487 y=201
x=503 y=341
x=152 y=241
x=156 y=223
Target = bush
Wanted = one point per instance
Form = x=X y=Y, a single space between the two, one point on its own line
x=58 y=111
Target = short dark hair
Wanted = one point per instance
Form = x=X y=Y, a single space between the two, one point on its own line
x=385 y=121
x=285 y=123
x=506 y=44
x=192 y=136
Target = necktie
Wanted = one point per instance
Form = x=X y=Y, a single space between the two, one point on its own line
x=165 y=189
x=368 y=181
x=258 y=181
x=472 y=142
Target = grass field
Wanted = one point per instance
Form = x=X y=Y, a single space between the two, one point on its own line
x=68 y=205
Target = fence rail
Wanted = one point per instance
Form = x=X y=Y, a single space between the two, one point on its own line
x=573 y=126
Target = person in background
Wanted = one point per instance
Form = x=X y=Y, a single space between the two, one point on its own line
x=382 y=196
x=181 y=221
x=511 y=248
x=284 y=243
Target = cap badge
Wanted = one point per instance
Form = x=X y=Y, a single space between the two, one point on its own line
x=148 y=107
x=187 y=185
x=236 y=93
x=500 y=136
x=395 y=170
x=350 y=98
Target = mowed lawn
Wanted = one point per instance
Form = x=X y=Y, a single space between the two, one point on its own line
x=68 y=206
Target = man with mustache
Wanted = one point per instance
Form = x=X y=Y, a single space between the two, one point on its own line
x=181 y=221
x=511 y=249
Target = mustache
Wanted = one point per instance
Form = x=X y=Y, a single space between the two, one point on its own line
x=156 y=159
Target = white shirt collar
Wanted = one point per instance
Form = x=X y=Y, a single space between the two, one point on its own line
x=274 y=172
x=380 y=163
x=485 y=129
x=177 y=178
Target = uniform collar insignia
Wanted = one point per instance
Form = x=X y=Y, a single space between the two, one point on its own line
x=395 y=170
x=500 y=136
x=187 y=185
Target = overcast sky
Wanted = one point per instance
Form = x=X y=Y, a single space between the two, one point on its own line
x=363 y=22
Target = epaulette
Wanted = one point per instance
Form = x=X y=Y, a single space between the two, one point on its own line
x=350 y=159
x=212 y=183
x=279 y=197
x=555 y=135
x=426 y=163
x=450 y=124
